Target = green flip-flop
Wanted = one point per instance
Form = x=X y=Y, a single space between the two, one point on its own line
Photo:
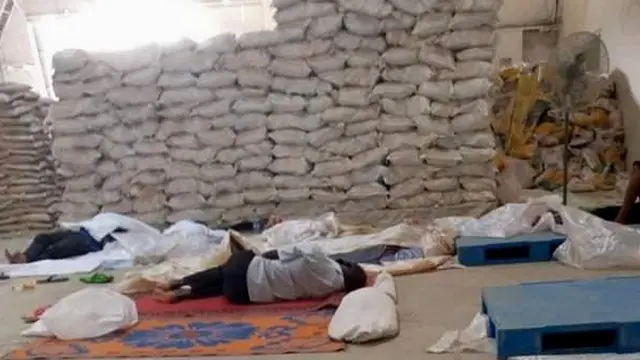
x=97 y=278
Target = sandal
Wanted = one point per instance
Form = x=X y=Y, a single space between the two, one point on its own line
x=52 y=279
x=97 y=278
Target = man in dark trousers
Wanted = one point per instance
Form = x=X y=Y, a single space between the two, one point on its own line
x=60 y=245
x=294 y=272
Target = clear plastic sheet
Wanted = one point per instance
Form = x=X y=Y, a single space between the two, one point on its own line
x=297 y=231
x=189 y=238
x=592 y=243
x=512 y=219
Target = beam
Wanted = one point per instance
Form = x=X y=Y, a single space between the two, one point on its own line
x=5 y=13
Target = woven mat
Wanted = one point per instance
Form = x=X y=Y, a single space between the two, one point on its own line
x=229 y=334
x=147 y=305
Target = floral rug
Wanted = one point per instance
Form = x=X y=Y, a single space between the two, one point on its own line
x=229 y=334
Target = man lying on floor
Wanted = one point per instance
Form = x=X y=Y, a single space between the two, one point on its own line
x=61 y=245
x=291 y=273
x=66 y=244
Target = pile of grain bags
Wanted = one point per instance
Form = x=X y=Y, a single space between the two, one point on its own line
x=410 y=86
x=28 y=188
x=348 y=106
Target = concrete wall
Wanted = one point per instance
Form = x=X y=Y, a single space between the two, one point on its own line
x=19 y=61
x=617 y=22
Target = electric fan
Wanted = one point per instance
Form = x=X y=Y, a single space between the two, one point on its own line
x=571 y=76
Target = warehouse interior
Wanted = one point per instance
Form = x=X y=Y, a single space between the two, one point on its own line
x=159 y=154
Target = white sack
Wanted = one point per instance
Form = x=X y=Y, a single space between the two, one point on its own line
x=376 y=8
x=416 y=7
x=414 y=74
x=362 y=25
x=437 y=57
x=432 y=24
x=89 y=313
x=303 y=11
x=303 y=49
x=367 y=314
x=459 y=40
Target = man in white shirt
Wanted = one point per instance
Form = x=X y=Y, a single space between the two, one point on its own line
x=294 y=272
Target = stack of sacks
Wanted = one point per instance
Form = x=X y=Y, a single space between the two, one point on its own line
x=105 y=108
x=181 y=103
x=347 y=106
x=437 y=78
x=410 y=82
x=28 y=186
x=341 y=120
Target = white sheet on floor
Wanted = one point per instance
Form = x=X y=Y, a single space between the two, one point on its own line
x=141 y=242
x=431 y=239
x=111 y=258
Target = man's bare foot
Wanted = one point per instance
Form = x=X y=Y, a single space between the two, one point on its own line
x=412 y=221
x=167 y=297
x=15 y=258
x=168 y=286
x=274 y=220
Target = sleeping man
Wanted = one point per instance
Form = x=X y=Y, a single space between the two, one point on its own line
x=83 y=237
x=291 y=273
x=60 y=245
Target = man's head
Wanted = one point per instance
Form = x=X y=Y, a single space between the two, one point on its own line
x=354 y=276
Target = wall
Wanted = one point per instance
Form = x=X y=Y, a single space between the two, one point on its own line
x=18 y=56
x=617 y=22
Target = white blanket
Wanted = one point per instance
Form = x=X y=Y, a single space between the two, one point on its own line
x=140 y=242
x=111 y=258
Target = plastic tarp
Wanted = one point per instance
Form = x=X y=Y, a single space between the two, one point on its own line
x=145 y=280
x=592 y=243
x=324 y=231
x=437 y=243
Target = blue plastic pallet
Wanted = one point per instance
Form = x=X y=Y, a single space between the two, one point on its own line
x=565 y=317
x=480 y=251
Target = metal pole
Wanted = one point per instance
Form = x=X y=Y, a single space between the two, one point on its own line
x=565 y=159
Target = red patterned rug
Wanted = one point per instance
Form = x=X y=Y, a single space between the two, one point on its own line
x=147 y=305
x=222 y=334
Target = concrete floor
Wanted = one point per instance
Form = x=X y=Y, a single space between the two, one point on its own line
x=429 y=304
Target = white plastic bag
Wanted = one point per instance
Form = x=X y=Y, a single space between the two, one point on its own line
x=514 y=219
x=303 y=230
x=191 y=239
x=367 y=314
x=472 y=339
x=593 y=243
x=87 y=314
